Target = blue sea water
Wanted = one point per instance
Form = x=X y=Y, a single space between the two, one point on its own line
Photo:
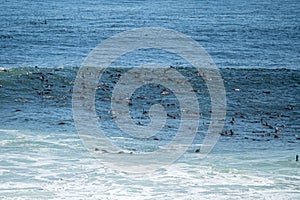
x=249 y=34
x=254 y=43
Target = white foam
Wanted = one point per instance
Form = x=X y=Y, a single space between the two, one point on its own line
x=8 y=130
x=59 y=171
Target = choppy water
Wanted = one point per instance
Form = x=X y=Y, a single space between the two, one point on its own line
x=249 y=34
x=41 y=155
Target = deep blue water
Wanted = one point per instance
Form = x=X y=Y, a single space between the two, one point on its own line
x=251 y=34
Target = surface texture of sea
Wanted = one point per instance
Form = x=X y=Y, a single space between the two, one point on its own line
x=254 y=43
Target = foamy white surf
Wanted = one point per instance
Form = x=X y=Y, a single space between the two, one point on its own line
x=46 y=166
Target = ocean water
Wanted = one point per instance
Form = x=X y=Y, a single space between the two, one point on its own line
x=254 y=43
x=249 y=34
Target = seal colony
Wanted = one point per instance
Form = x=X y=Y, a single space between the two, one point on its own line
x=253 y=115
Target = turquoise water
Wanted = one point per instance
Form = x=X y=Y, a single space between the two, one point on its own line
x=254 y=43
